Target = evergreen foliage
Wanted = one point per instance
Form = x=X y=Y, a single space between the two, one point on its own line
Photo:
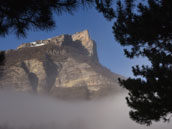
x=146 y=26
x=19 y=16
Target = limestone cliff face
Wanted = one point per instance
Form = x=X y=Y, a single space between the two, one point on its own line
x=65 y=66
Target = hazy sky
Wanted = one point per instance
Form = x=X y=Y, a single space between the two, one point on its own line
x=110 y=53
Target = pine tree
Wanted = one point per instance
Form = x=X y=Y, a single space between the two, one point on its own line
x=146 y=26
x=19 y=16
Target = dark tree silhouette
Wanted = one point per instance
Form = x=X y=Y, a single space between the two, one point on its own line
x=147 y=28
x=18 y=16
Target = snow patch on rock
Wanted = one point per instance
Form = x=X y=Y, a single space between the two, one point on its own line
x=35 y=44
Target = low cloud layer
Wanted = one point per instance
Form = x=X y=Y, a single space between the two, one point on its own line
x=27 y=110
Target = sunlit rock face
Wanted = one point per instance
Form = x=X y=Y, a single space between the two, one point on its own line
x=65 y=66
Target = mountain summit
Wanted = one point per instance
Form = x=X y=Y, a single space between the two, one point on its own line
x=80 y=40
x=65 y=66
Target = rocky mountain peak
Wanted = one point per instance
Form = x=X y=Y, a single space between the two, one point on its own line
x=86 y=42
x=79 y=39
x=64 y=66
x=83 y=36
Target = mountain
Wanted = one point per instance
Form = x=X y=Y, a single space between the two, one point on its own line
x=65 y=66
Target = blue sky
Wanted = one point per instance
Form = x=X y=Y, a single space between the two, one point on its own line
x=110 y=53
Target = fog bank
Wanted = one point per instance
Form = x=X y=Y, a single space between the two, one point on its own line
x=27 y=110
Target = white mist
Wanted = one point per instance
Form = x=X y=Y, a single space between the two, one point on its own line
x=24 y=110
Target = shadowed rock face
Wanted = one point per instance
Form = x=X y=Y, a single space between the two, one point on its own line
x=65 y=66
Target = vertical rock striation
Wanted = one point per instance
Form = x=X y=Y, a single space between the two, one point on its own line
x=65 y=66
